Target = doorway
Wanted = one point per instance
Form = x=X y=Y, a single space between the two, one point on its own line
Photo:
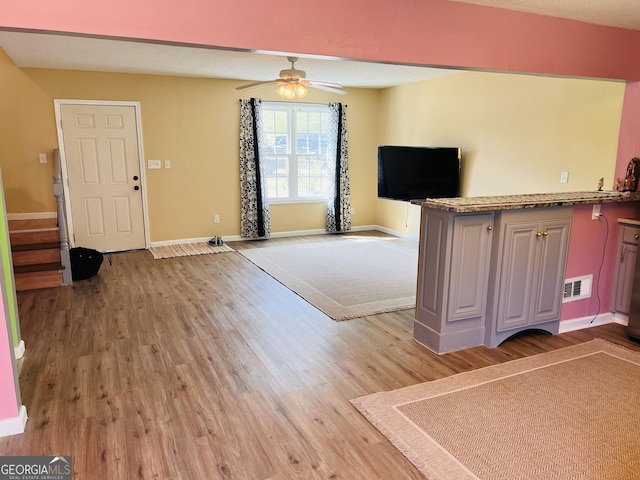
x=103 y=174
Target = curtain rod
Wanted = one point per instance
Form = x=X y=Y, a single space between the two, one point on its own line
x=305 y=103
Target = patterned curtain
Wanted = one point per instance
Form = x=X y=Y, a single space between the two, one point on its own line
x=254 y=205
x=338 y=201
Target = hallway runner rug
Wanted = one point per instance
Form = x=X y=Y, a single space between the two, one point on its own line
x=187 y=249
x=573 y=413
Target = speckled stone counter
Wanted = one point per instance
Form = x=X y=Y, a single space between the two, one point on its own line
x=536 y=200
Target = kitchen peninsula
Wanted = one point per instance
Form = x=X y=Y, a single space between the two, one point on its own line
x=490 y=267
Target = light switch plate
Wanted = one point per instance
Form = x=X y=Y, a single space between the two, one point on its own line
x=564 y=177
x=43 y=157
x=167 y=164
x=154 y=164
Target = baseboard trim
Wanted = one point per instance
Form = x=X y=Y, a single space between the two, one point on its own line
x=19 y=350
x=574 y=324
x=15 y=425
x=166 y=243
x=395 y=233
x=237 y=238
x=31 y=216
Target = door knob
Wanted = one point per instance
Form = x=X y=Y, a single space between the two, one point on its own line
x=135 y=177
x=136 y=187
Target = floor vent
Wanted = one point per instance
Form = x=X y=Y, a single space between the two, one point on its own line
x=577 y=288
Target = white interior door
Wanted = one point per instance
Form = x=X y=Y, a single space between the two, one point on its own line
x=101 y=149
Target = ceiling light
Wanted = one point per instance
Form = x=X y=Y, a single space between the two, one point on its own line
x=291 y=90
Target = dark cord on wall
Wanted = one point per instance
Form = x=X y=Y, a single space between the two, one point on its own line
x=604 y=249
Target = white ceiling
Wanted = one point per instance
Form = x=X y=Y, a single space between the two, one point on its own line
x=36 y=50
x=31 y=50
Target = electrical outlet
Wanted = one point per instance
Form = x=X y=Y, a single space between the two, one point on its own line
x=595 y=214
x=216 y=219
x=564 y=177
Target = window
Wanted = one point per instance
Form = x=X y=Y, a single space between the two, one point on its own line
x=295 y=151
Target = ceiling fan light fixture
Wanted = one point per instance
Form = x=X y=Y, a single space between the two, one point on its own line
x=301 y=91
x=293 y=83
x=292 y=90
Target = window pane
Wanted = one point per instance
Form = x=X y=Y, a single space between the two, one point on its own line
x=298 y=133
x=276 y=169
x=275 y=127
x=312 y=176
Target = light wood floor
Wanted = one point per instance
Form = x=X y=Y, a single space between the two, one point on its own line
x=207 y=368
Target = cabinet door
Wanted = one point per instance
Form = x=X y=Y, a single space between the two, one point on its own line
x=552 y=243
x=470 y=254
x=516 y=274
x=624 y=282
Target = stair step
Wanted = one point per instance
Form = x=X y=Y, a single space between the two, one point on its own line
x=40 y=267
x=33 y=224
x=26 y=247
x=35 y=250
x=38 y=256
x=30 y=237
x=39 y=279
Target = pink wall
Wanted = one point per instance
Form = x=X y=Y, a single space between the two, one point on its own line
x=629 y=138
x=594 y=243
x=8 y=396
x=427 y=32
x=587 y=242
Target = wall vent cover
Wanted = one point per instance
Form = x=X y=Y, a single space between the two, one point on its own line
x=577 y=288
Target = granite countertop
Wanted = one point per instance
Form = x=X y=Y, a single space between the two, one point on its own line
x=535 y=200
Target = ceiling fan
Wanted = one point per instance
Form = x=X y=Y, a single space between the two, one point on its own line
x=293 y=83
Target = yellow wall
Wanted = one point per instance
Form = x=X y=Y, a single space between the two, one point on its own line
x=194 y=123
x=26 y=129
x=517 y=133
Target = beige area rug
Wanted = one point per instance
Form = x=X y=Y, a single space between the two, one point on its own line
x=187 y=249
x=347 y=278
x=573 y=413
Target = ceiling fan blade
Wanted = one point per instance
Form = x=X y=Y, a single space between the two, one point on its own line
x=325 y=84
x=255 y=85
x=326 y=88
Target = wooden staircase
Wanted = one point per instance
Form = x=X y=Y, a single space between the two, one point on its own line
x=35 y=251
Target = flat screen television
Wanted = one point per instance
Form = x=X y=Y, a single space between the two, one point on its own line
x=413 y=173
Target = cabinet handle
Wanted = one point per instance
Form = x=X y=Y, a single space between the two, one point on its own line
x=538 y=234
x=636 y=236
x=490 y=227
x=545 y=233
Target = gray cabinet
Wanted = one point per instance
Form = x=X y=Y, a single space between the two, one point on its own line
x=625 y=266
x=483 y=276
x=453 y=270
x=527 y=276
